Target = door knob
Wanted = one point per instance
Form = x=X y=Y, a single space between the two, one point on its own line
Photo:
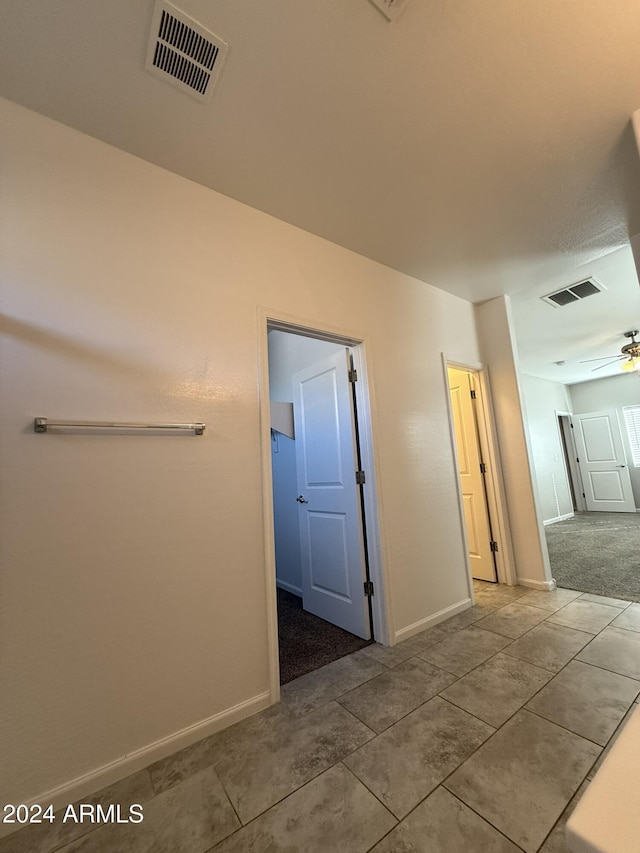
x=301 y=500
x=621 y=466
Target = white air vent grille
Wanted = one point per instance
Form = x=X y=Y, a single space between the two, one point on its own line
x=578 y=291
x=183 y=52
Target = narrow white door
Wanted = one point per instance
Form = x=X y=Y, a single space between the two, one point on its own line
x=474 y=498
x=605 y=475
x=332 y=558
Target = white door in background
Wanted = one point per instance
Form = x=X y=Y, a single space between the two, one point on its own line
x=332 y=556
x=474 y=497
x=605 y=475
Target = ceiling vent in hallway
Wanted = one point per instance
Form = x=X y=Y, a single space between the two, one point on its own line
x=575 y=293
x=183 y=52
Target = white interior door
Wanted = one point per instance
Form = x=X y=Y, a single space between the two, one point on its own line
x=332 y=559
x=474 y=497
x=605 y=475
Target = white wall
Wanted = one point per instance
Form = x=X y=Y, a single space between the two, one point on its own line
x=542 y=400
x=285 y=513
x=611 y=392
x=133 y=567
x=287 y=354
x=495 y=331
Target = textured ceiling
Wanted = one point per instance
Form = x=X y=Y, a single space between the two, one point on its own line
x=483 y=146
x=591 y=328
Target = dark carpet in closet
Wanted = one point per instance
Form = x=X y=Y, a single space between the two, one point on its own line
x=308 y=642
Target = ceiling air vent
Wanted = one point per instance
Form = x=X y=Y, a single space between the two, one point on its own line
x=183 y=52
x=574 y=293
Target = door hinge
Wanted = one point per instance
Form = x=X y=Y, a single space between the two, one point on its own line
x=368 y=588
x=359 y=478
x=473 y=394
x=483 y=468
x=493 y=546
x=577 y=460
x=353 y=375
x=583 y=495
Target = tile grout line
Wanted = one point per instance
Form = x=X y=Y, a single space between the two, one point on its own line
x=481 y=816
x=229 y=800
x=398 y=820
x=300 y=788
x=485 y=817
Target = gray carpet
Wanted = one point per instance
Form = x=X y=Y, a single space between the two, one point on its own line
x=597 y=552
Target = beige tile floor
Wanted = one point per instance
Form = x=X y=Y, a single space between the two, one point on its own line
x=478 y=735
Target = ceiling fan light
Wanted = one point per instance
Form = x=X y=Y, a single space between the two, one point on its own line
x=631 y=364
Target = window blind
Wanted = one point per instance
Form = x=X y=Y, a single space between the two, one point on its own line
x=632 y=421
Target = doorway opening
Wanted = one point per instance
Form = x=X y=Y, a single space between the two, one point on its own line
x=570 y=456
x=594 y=549
x=600 y=476
x=325 y=561
x=483 y=510
x=472 y=468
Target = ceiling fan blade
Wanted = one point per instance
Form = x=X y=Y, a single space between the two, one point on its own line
x=601 y=358
x=593 y=369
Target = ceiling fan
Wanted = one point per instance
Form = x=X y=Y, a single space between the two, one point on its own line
x=630 y=353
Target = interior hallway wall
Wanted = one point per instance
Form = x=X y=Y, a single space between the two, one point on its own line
x=542 y=400
x=133 y=616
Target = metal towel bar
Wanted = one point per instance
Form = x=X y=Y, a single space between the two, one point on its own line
x=42 y=424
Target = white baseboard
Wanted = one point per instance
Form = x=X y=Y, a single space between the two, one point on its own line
x=558 y=518
x=289 y=587
x=549 y=586
x=89 y=783
x=430 y=621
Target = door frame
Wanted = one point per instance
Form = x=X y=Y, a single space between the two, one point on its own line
x=571 y=464
x=496 y=501
x=270 y=319
x=474 y=481
x=613 y=419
